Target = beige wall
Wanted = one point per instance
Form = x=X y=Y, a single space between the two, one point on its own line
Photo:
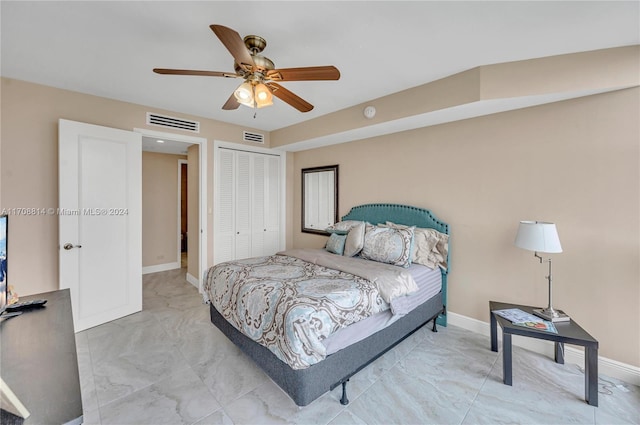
x=29 y=166
x=193 y=211
x=159 y=208
x=574 y=163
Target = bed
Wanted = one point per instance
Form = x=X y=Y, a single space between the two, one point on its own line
x=305 y=375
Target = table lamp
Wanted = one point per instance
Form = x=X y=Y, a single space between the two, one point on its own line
x=538 y=236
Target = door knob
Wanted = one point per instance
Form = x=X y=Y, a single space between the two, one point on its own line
x=69 y=246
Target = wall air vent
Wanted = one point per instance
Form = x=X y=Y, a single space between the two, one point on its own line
x=172 y=122
x=248 y=136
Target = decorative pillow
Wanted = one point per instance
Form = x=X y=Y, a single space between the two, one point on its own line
x=335 y=244
x=342 y=226
x=388 y=245
x=430 y=247
x=355 y=240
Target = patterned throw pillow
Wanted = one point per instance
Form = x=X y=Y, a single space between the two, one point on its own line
x=335 y=244
x=388 y=245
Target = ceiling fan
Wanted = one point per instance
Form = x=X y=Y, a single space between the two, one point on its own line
x=259 y=73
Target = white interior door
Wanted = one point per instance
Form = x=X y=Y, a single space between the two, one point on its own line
x=100 y=234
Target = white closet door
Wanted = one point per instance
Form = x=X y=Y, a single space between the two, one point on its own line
x=243 y=205
x=247 y=206
x=258 y=199
x=272 y=205
x=225 y=212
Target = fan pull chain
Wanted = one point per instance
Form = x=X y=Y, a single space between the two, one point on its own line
x=255 y=102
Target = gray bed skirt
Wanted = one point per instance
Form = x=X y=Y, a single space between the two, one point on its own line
x=305 y=385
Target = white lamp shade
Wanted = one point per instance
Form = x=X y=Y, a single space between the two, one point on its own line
x=263 y=96
x=244 y=94
x=538 y=236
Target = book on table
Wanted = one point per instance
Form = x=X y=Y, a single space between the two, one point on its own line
x=527 y=320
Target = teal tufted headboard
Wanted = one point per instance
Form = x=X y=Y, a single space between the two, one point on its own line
x=407 y=215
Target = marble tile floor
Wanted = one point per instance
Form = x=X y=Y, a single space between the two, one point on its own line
x=169 y=365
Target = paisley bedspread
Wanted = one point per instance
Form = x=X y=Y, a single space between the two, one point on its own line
x=290 y=305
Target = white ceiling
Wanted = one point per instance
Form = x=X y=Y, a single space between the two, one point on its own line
x=110 y=48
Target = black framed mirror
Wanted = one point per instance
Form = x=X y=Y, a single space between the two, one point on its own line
x=319 y=198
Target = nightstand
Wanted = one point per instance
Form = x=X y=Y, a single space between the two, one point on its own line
x=568 y=332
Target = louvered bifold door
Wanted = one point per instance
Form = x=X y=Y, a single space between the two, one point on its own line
x=243 y=205
x=224 y=249
x=272 y=205
x=258 y=226
x=248 y=205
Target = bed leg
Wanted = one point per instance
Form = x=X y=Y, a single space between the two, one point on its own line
x=344 y=400
x=444 y=311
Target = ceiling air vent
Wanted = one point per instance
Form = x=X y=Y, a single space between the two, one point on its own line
x=248 y=136
x=172 y=122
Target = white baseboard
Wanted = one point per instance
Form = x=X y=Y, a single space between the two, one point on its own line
x=609 y=367
x=160 y=268
x=193 y=280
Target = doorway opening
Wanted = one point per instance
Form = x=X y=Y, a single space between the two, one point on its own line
x=192 y=241
x=183 y=213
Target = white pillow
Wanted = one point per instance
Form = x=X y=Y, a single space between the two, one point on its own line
x=342 y=227
x=355 y=240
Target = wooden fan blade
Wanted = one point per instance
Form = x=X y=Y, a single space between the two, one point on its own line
x=310 y=73
x=166 y=71
x=231 y=103
x=235 y=45
x=289 y=97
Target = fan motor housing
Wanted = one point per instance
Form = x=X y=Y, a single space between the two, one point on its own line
x=262 y=63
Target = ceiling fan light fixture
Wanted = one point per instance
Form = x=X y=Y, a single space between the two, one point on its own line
x=263 y=96
x=244 y=94
x=256 y=69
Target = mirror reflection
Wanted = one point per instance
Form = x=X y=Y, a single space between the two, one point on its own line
x=319 y=198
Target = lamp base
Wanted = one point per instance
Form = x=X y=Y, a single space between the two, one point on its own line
x=552 y=315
